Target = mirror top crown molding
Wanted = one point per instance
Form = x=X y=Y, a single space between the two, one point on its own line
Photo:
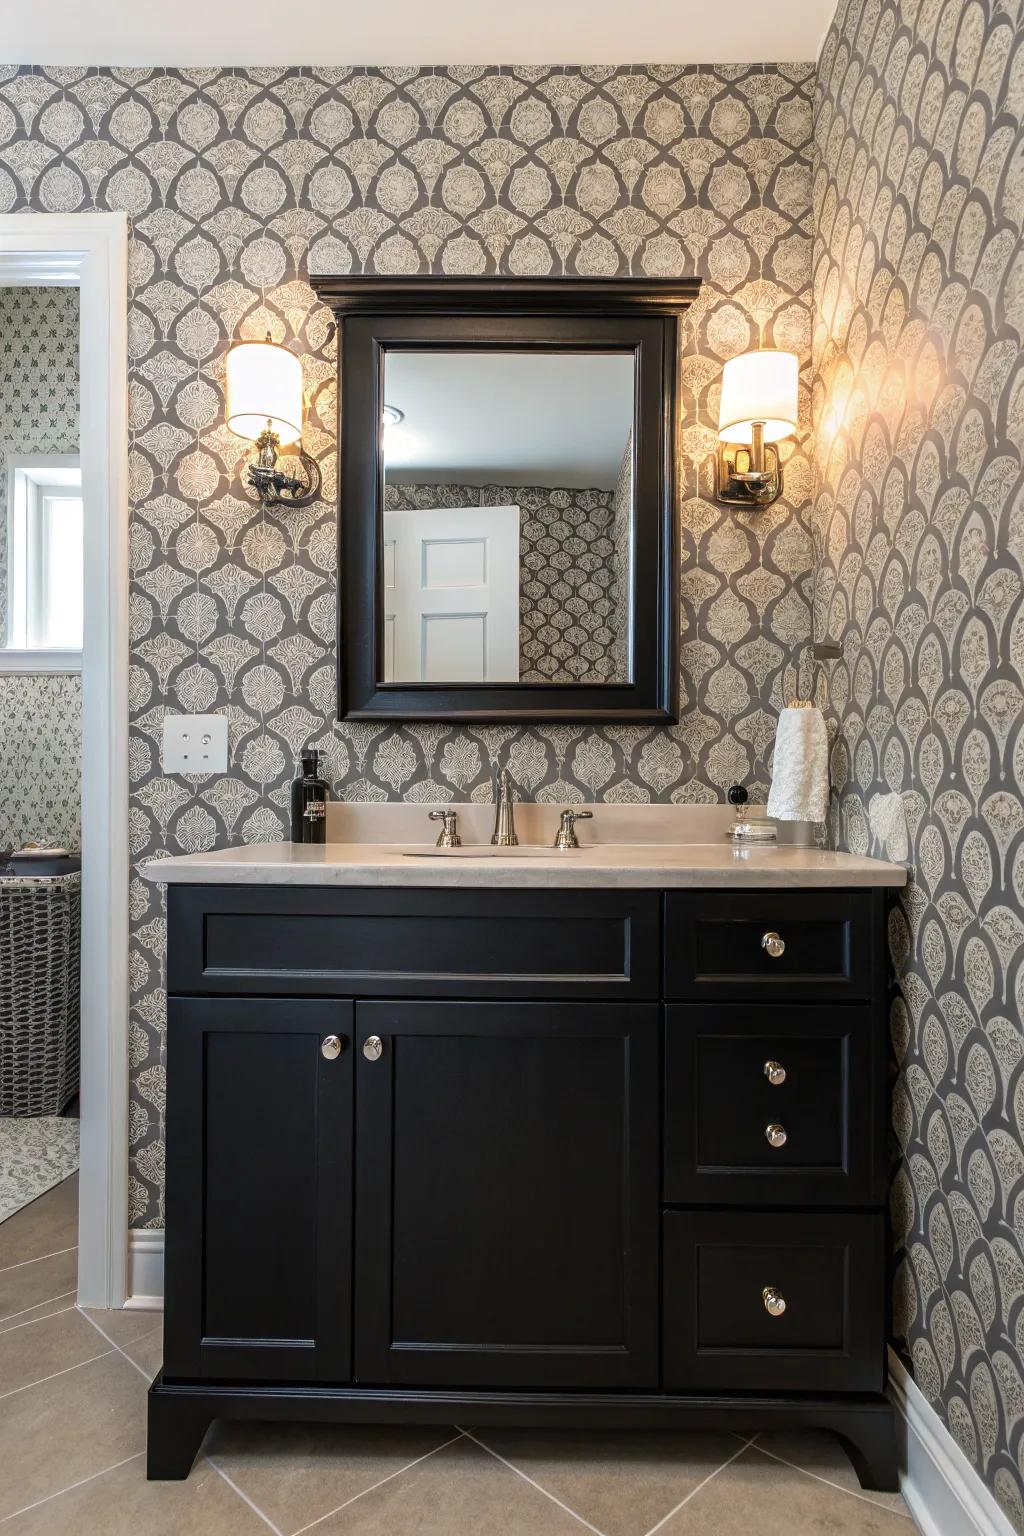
x=369 y=293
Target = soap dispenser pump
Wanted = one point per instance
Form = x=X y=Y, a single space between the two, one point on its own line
x=309 y=802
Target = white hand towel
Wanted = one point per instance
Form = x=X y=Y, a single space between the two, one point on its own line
x=800 y=770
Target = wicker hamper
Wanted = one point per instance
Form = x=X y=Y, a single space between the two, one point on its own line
x=40 y=956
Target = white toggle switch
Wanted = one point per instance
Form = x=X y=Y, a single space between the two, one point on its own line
x=195 y=744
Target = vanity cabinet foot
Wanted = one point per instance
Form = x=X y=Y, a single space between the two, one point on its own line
x=869 y=1439
x=175 y=1429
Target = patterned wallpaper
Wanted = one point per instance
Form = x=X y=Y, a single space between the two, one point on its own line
x=40 y=760
x=569 y=629
x=40 y=716
x=919 y=289
x=237 y=182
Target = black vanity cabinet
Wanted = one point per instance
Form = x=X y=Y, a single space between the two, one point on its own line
x=536 y=1157
x=259 y=1204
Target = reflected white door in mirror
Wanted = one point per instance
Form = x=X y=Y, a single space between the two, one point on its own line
x=451 y=595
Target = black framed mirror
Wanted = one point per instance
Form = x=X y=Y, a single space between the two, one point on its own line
x=508 y=491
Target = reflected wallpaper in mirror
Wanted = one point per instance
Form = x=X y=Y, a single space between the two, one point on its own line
x=508 y=516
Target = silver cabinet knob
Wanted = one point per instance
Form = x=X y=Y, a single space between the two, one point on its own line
x=775 y=1135
x=373 y=1048
x=773 y=945
x=774 y=1301
x=331 y=1047
x=775 y=1072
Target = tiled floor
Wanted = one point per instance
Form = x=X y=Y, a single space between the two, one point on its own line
x=72 y=1438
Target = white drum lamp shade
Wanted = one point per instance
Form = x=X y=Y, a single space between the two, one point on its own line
x=264 y=389
x=758 y=386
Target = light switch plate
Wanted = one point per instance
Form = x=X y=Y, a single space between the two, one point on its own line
x=195 y=744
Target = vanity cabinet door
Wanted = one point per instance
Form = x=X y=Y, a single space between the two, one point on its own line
x=259 y=1189
x=507 y=1194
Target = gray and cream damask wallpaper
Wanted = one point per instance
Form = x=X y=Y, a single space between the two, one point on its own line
x=40 y=715
x=919 y=438
x=237 y=183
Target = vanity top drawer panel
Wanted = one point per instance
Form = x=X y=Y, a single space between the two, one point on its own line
x=765 y=945
x=780 y=1104
x=422 y=943
x=774 y=1301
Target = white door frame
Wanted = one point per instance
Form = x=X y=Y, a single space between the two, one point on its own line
x=90 y=251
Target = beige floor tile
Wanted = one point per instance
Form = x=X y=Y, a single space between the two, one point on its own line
x=35 y=1314
x=147 y=1351
x=297 y=1473
x=623 y=1483
x=49 y=1223
x=756 y=1493
x=71 y=1427
x=821 y=1453
x=462 y=1491
x=122 y=1503
x=37 y=1350
x=123 y=1327
x=50 y=1281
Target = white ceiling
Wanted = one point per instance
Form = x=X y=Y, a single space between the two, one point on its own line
x=508 y=418
x=240 y=32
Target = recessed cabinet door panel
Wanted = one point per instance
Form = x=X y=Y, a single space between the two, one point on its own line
x=774 y=1301
x=413 y=943
x=507 y=1194
x=781 y=1103
x=761 y=946
x=259 y=1189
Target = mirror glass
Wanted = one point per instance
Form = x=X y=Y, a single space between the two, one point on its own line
x=508 y=516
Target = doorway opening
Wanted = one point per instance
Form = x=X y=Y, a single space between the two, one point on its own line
x=63 y=748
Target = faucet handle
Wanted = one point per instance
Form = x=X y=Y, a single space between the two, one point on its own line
x=565 y=837
x=448 y=837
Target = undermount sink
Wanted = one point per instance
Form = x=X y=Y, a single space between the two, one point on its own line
x=488 y=852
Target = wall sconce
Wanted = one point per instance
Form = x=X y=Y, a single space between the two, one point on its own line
x=758 y=407
x=264 y=404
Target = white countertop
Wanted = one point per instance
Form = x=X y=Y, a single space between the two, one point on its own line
x=615 y=865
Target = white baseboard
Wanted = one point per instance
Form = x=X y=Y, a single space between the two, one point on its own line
x=145 y=1270
x=942 y=1489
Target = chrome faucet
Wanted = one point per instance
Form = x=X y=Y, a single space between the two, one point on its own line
x=565 y=837
x=448 y=837
x=504 y=834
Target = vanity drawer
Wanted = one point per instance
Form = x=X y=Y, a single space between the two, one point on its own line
x=813 y=1076
x=412 y=943
x=724 y=944
x=826 y=1330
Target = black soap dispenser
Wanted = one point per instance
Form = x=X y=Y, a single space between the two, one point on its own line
x=309 y=802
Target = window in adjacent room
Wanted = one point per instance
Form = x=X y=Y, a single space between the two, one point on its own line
x=44 y=559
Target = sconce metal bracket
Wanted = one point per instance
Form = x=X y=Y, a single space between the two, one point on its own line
x=273 y=487
x=738 y=485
